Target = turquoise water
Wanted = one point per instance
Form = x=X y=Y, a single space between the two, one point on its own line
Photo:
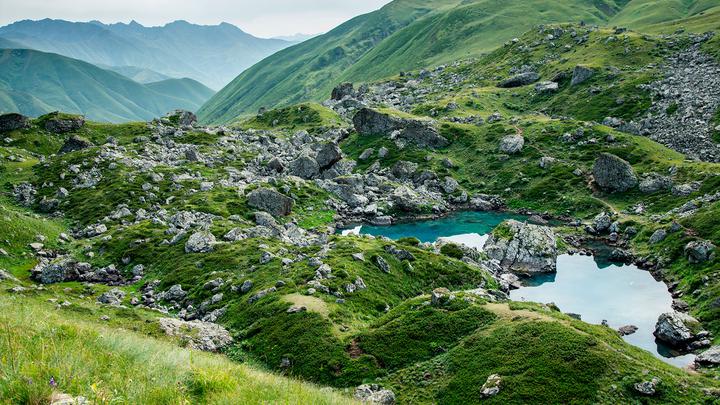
x=589 y=286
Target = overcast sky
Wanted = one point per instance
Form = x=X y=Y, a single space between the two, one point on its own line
x=264 y=18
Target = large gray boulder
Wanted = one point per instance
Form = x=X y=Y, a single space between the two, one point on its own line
x=653 y=182
x=614 y=174
x=407 y=200
x=676 y=329
x=305 y=167
x=512 y=144
x=271 y=201
x=523 y=248
x=328 y=155
x=13 y=121
x=422 y=133
x=580 y=75
x=699 y=251
x=199 y=335
x=181 y=117
x=709 y=357
x=522 y=79
x=342 y=90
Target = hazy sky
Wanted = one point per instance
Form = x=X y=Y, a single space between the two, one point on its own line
x=263 y=18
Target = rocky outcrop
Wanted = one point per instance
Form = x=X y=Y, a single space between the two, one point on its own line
x=710 y=357
x=580 y=75
x=614 y=174
x=342 y=90
x=699 y=251
x=198 y=335
x=523 y=248
x=418 y=132
x=13 y=121
x=75 y=143
x=374 y=394
x=521 y=79
x=59 y=124
x=181 y=118
x=676 y=329
x=512 y=144
x=271 y=201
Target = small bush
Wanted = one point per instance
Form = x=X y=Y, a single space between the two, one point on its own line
x=452 y=250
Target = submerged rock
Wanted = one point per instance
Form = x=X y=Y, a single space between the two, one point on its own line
x=522 y=247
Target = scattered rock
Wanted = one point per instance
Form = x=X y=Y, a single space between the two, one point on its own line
x=512 y=144
x=75 y=143
x=112 y=297
x=200 y=242
x=181 y=117
x=271 y=201
x=328 y=155
x=648 y=387
x=374 y=394
x=700 y=251
x=522 y=79
x=710 y=357
x=199 y=335
x=580 y=75
x=491 y=386
x=342 y=90
x=657 y=236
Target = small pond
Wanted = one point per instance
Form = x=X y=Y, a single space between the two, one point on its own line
x=592 y=287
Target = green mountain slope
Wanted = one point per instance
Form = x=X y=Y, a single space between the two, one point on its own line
x=213 y=55
x=140 y=75
x=34 y=83
x=417 y=37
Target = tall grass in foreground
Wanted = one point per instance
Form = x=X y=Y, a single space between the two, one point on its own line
x=42 y=352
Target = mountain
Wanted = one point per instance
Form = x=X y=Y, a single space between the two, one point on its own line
x=213 y=55
x=34 y=83
x=299 y=37
x=409 y=34
x=141 y=75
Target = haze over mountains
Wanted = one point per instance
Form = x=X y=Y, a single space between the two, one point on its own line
x=212 y=55
x=410 y=34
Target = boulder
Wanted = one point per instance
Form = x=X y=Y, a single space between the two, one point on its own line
x=491 y=386
x=602 y=222
x=305 y=167
x=580 y=75
x=271 y=201
x=342 y=90
x=51 y=273
x=653 y=182
x=546 y=87
x=75 y=143
x=710 y=357
x=404 y=170
x=699 y=251
x=328 y=155
x=523 y=248
x=407 y=200
x=614 y=174
x=200 y=242
x=198 y=335
x=112 y=297
x=675 y=329
x=627 y=330
x=422 y=133
x=374 y=394
x=61 y=123
x=13 y=121
x=522 y=79
x=181 y=117
x=657 y=236
x=276 y=165
x=647 y=387
x=512 y=144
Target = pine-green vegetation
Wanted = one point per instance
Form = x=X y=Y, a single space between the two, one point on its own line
x=422 y=320
x=34 y=83
x=407 y=34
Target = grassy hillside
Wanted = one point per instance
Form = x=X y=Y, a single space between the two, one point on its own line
x=140 y=75
x=34 y=83
x=444 y=32
x=211 y=54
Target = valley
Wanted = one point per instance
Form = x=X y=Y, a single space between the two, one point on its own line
x=437 y=202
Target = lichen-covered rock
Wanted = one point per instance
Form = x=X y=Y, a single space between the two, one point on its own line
x=13 y=121
x=676 y=329
x=512 y=144
x=374 y=394
x=200 y=242
x=305 y=167
x=699 y=251
x=614 y=174
x=269 y=200
x=523 y=248
x=199 y=335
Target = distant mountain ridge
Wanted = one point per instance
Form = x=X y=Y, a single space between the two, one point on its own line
x=411 y=34
x=211 y=54
x=34 y=83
